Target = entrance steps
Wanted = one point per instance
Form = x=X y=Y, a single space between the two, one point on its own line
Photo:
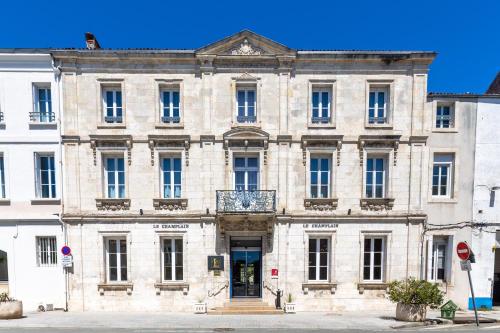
x=245 y=307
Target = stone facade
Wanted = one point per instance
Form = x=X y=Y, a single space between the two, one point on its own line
x=209 y=136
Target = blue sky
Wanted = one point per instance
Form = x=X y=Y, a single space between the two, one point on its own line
x=466 y=34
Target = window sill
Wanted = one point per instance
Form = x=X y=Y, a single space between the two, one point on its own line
x=45 y=201
x=319 y=286
x=443 y=200
x=445 y=130
x=112 y=204
x=33 y=125
x=380 y=126
x=321 y=203
x=4 y=202
x=112 y=126
x=166 y=125
x=376 y=204
x=320 y=126
x=172 y=286
x=118 y=286
x=170 y=204
x=362 y=286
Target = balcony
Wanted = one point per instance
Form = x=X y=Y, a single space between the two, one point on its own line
x=42 y=117
x=1 y=117
x=170 y=120
x=113 y=120
x=246 y=201
x=320 y=120
x=246 y=119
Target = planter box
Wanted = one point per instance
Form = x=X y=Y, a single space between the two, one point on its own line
x=11 y=310
x=290 y=307
x=411 y=312
x=200 y=308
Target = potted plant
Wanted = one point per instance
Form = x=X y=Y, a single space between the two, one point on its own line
x=200 y=306
x=10 y=308
x=413 y=297
x=289 y=305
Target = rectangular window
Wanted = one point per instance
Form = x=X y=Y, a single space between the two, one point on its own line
x=444 y=117
x=442 y=173
x=375 y=177
x=377 y=106
x=45 y=176
x=43 y=105
x=46 y=251
x=246 y=173
x=318 y=259
x=170 y=105
x=172 y=259
x=373 y=259
x=246 y=104
x=438 y=265
x=114 y=169
x=321 y=106
x=171 y=172
x=320 y=177
x=116 y=255
x=113 y=108
x=2 y=178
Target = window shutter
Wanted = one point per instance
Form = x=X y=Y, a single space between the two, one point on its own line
x=429 y=258
x=449 y=259
x=37 y=175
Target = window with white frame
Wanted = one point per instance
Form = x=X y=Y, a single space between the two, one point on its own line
x=46 y=248
x=373 y=259
x=319 y=258
x=173 y=259
x=376 y=176
x=438 y=262
x=170 y=106
x=320 y=177
x=171 y=168
x=377 y=105
x=246 y=105
x=114 y=173
x=45 y=176
x=113 y=107
x=3 y=193
x=444 y=116
x=246 y=173
x=442 y=175
x=43 y=105
x=116 y=259
x=321 y=105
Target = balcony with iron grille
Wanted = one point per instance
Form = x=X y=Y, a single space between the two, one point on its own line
x=244 y=202
x=42 y=117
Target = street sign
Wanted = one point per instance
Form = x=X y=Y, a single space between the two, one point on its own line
x=465 y=265
x=67 y=261
x=66 y=250
x=463 y=251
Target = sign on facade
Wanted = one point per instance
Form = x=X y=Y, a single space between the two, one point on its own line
x=66 y=250
x=465 y=265
x=274 y=273
x=463 y=251
x=215 y=263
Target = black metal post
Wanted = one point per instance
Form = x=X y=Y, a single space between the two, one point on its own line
x=278 y=299
x=473 y=298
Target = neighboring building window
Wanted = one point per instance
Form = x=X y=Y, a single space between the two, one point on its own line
x=2 y=178
x=115 y=177
x=43 y=106
x=246 y=105
x=320 y=106
x=375 y=177
x=45 y=176
x=170 y=104
x=171 y=171
x=172 y=259
x=4 y=267
x=46 y=251
x=377 y=106
x=318 y=259
x=246 y=173
x=320 y=177
x=442 y=173
x=113 y=105
x=444 y=117
x=373 y=259
x=116 y=255
x=438 y=264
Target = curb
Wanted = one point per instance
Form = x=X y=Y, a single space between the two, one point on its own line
x=427 y=322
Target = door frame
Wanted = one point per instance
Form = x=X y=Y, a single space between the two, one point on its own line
x=242 y=249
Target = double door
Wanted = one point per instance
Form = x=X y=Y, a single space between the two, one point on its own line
x=246 y=277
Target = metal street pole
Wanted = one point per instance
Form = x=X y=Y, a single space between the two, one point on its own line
x=473 y=298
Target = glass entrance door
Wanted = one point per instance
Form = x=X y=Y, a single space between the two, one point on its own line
x=245 y=273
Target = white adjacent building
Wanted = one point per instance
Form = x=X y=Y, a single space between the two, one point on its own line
x=30 y=180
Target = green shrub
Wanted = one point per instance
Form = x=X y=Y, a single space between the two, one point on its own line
x=413 y=291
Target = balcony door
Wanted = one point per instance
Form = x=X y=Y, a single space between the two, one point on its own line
x=246 y=173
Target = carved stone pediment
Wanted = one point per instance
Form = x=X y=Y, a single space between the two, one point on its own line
x=321 y=204
x=376 y=204
x=111 y=141
x=246 y=137
x=321 y=141
x=246 y=48
x=378 y=141
x=112 y=204
x=170 y=204
x=169 y=141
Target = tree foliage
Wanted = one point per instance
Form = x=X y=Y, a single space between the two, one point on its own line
x=413 y=291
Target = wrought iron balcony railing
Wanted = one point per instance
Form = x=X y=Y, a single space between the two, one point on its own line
x=377 y=120
x=246 y=119
x=113 y=120
x=1 y=117
x=168 y=120
x=42 y=117
x=246 y=201
x=320 y=120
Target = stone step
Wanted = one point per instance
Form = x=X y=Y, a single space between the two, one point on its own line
x=245 y=306
x=225 y=311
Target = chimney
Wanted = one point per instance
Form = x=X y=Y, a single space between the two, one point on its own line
x=494 y=86
x=91 y=41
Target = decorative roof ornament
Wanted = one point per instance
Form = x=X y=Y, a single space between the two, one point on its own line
x=246 y=49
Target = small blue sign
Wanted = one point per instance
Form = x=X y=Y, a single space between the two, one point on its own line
x=66 y=250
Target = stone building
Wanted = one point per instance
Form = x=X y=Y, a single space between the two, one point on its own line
x=240 y=168
x=30 y=180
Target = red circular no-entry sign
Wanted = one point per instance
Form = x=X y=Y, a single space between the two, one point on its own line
x=463 y=251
